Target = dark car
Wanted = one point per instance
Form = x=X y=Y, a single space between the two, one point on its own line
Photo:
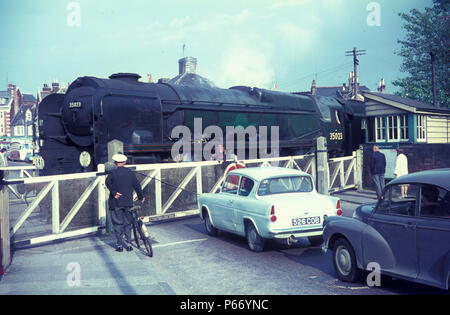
x=13 y=155
x=407 y=232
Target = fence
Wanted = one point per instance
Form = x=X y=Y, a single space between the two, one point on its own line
x=75 y=204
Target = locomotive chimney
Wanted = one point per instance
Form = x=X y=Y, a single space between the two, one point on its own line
x=187 y=65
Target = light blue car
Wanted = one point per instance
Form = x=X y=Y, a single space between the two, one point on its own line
x=262 y=203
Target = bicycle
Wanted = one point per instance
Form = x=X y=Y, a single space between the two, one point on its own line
x=139 y=226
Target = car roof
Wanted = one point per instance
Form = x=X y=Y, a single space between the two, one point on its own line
x=260 y=173
x=438 y=177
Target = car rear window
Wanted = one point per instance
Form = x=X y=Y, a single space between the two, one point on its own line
x=434 y=202
x=282 y=185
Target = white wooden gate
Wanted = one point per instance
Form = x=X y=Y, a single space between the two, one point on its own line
x=171 y=190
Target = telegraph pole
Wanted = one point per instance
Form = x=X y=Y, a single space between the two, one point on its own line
x=355 y=53
x=433 y=77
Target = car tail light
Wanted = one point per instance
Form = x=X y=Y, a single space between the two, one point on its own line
x=273 y=218
x=338 y=208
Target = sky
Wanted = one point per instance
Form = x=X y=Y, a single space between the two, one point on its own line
x=236 y=42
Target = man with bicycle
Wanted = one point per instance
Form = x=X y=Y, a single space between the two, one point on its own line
x=121 y=182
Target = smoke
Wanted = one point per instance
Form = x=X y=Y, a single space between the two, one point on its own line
x=246 y=63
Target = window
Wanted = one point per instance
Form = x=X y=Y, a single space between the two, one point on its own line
x=380 y=129
x=434 y=202
x=398 y=200
x=281 y=185
x=392 y=127
x=246 y=186
x=421 y=128
x=404 y=131
x=231 y=184
x=397 y=128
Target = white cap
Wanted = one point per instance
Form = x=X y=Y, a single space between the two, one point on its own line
x=119 y=158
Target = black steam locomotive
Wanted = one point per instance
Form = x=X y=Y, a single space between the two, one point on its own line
x=78 y=125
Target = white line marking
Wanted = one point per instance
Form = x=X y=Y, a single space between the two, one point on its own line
x=178 y=243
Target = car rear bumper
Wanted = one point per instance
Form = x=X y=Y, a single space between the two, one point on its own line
x=281 y=234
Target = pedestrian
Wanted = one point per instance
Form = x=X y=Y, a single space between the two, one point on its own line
x=401 y=168
x=378 y=169
x=121 y=182
x=3 y=163
x=3 y=160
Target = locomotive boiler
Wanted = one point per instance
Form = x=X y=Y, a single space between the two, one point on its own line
x=95 y=111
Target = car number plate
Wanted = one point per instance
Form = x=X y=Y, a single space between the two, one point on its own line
x=305 y=221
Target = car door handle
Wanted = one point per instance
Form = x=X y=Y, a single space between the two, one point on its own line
x=409 y=225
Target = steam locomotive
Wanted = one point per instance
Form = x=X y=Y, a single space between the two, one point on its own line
x=75 y=128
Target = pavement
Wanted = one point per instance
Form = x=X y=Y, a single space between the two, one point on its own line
x=88 y=266
x=91 y=266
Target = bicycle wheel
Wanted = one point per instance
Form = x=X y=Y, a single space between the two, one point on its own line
x=136 y=237
x=148 y=247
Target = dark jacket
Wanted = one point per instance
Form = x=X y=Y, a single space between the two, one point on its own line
x=378 y=164
x=124 y=181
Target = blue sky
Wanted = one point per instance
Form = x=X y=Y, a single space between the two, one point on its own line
x=245 y=42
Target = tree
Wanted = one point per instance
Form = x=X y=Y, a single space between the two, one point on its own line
x=425 y=32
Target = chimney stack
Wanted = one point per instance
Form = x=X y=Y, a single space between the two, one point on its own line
x=55 y=87
x=46 y=88
x=313 y=87
x=381 y=86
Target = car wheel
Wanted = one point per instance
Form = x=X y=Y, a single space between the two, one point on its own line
x=344 y=261
x=210 y=229
x=254 y=240
x=315 y=240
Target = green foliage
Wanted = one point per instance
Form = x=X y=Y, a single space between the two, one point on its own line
x=425 y=32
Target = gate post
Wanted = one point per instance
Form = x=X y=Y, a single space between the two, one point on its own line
x=114 y=146
x=5 y=250
x=101 y=189
x=359 y=169
x=323 y=172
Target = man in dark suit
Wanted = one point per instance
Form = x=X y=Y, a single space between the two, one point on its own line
x=121 y=182
x=378 y=169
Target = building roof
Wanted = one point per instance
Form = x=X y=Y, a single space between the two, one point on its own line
x=5 y=100
x=404 y=103
x=333 y=91
x=28 y=98
x=19 y=119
